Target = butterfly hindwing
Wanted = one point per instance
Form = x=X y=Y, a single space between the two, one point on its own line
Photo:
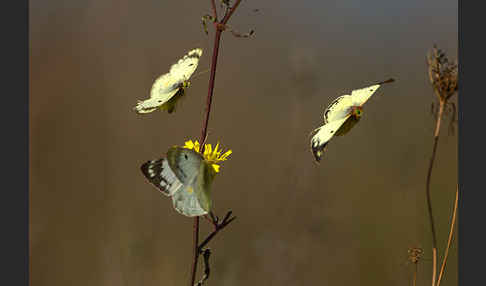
x=191 y=169
x=186 y=202
x=347 y=125
x=154 y=102
x=171 y=104
x=323 y=135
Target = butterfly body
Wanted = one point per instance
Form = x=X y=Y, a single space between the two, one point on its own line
x=170 y=87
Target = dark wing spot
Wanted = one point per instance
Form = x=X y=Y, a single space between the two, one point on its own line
x=332 y=131
x=191 y=65
x=194 y=55
x=185 y=156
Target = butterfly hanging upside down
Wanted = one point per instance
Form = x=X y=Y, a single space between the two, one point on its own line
x=340 y=117
x=169 y=88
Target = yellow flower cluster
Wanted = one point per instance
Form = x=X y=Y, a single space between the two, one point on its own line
x=212 y=156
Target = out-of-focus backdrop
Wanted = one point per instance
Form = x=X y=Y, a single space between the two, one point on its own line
x=94 y=220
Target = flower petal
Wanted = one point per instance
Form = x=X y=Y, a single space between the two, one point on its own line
x=208 y=150
x=189 y=144
x=225 y=155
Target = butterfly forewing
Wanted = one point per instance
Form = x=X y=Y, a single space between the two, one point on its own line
x=186 y=66
x=338 y=109
x=164 y=84
x=361 y=96
x=185 y=163
x=159 y=174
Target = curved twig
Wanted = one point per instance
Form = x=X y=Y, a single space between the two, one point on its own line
x=449 y=241
x=427 y=191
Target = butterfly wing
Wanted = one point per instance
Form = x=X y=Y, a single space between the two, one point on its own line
x=159 y=174
x=170 y=84
x=338 y=109
x=162 y=90
x=323 y=135
x=185 y=163
x=185 y=177
x=186 y=66
x=191 y=169
x=186 y=202
x=360 y=96
x=347 y=125
x=171 y=104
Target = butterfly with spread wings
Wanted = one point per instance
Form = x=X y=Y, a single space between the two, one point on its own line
x=170 y=87
x=340 y=116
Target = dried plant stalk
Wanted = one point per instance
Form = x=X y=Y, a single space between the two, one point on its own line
x=443 y=77
x=449 y=240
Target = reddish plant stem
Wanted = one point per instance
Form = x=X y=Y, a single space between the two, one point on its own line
x=196 y=250
x=217 y=39
x=227 y=16
x=203 y=137
x=215 y=12
x=218 y=227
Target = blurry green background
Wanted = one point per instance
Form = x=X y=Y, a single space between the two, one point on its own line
x=94 y=220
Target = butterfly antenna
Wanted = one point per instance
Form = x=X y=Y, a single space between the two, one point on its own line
x=387 y=81
x=201 y=73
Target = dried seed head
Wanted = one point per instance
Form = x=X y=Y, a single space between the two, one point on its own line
x=442 y=74
x=414 y=254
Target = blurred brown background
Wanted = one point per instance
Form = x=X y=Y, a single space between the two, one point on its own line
x=94 y=220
